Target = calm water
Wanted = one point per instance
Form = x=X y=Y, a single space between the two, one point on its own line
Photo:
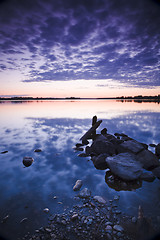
x=55 y=127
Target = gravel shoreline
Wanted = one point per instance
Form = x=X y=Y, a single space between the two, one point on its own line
x=95 y=218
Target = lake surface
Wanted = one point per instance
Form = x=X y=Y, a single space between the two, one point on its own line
x=55 y=127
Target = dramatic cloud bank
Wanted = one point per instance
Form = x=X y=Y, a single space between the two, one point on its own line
x=81 y=39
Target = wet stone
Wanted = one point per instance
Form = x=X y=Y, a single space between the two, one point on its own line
x=118 y=228
x=46 y=210
x=77 y=185
x=85 y=193
x=99 y=199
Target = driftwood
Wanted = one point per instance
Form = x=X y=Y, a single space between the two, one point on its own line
x=90 y=132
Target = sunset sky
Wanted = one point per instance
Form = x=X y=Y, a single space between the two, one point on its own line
x=79 y=48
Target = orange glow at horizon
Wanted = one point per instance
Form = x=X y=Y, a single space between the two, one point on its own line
x=77 y=88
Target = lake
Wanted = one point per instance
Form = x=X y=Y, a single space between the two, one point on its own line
x=55 y=127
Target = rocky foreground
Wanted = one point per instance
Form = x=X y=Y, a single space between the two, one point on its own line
x=128 y=163
x=124 y=158
x=95 y=218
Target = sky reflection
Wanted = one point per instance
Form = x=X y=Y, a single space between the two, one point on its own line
x=57 y=167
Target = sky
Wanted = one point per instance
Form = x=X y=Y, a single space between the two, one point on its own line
x=79 y=48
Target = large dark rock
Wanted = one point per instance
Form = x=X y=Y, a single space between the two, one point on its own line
x=132 y=146
x=147 y=159
x=100 y=161
x=101 y=146
x=156 y=172
x=125 y=166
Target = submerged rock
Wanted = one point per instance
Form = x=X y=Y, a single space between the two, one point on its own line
x=148 y=176
x=77 y=185
x=27 y=161
x=99 y=199
x=125 y=166
x=84 y=193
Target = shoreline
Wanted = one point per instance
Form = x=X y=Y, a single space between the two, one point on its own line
x=93 y=217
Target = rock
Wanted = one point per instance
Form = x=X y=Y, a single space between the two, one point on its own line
x=152 y=145
x=157 y=150
x=27 y=161
x=125 y=166
x=5 y=219
x=79 y=145
x=84 y=193
x=132 y=146
x=88 y=150
x=99 y=199
x=46 y=210
x=116 y=197
x=145 y=145
x=147 y=176
x=108 y=228
x=104 y=131
x=100 y=161
x=156 y=172
x=111 y=138
x=82 y=155
x=118 y=228
x=4 y=152
x=77 y=185
x=100 y=147
x=23 y=220
x=37 y=150
x=74 y=217
x=78 y=149
x=134 y=219
x=147 y=159
x=91 y=131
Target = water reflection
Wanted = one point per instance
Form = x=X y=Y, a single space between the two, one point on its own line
x=55 y=127
x=120 y=185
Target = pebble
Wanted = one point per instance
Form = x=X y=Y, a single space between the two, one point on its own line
x=85 y=193
x=108 y=228
x=118 y=228
x=74 y=217
x=116 y=197
x=5 y=219
x=4 y=152
x=96 y=210
x=109 y=237
x=46 y=210
x=48 y=230
x=109 y=223
x=37 y=150
x=99 y=199
x=134 y=219
x=27 y=161
x=77 y=185
x=23 y=220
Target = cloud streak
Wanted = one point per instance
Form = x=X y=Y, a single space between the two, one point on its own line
x=70 y=40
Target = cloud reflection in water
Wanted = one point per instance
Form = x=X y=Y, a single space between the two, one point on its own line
x=57 y=167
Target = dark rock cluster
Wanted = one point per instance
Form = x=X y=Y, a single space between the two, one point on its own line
x=126 y=158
